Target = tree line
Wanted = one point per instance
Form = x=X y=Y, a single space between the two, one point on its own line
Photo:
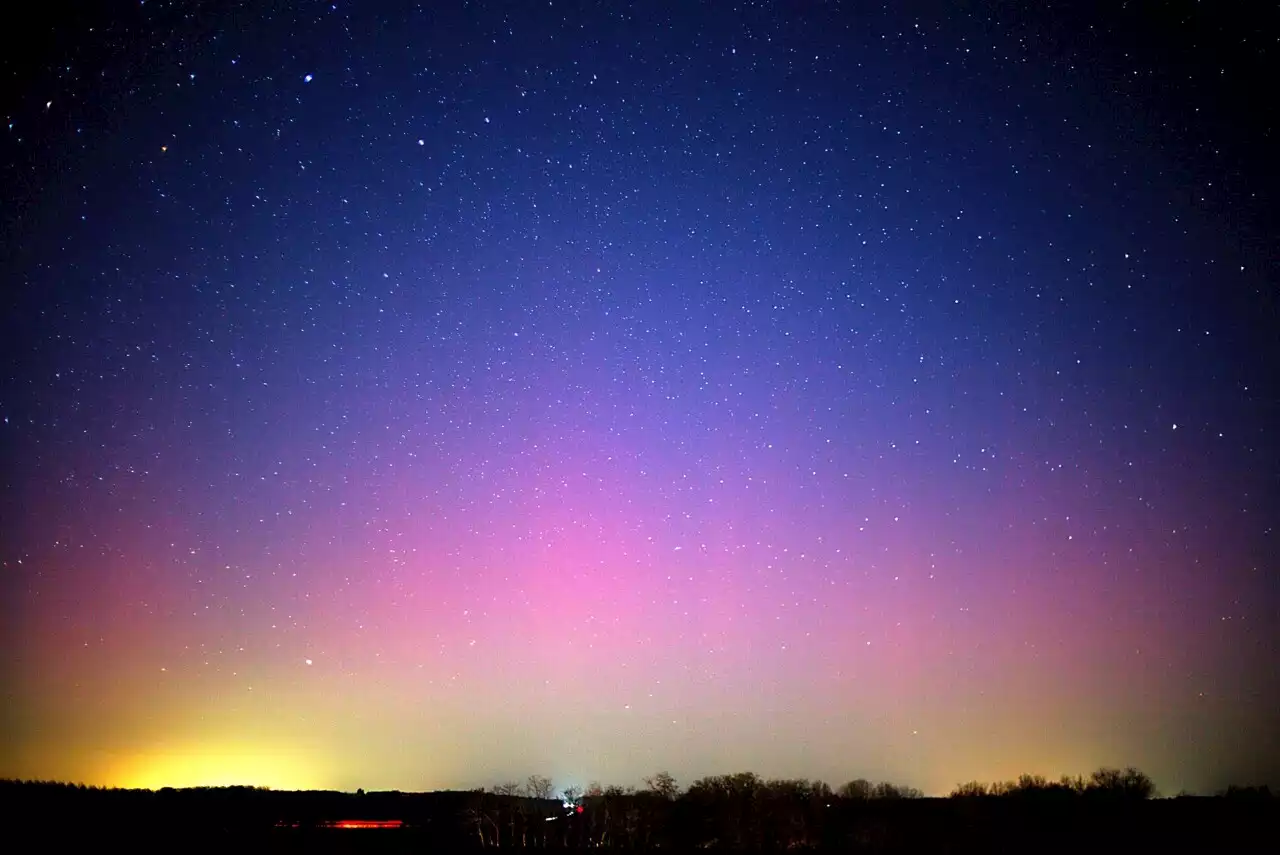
x=734 y=811
x=741 y=811
x=1128 y=783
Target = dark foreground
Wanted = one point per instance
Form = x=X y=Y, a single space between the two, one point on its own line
x=65 y=818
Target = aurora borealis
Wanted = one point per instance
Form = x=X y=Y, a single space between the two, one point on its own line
x=428 y=396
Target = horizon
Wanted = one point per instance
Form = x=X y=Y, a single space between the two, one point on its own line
x=522 y=788
x=402 y=396
x=1111 y=810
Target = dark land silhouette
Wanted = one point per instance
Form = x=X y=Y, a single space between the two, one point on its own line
x=1111 y=811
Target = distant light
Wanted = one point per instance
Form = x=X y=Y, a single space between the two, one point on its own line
x=307 y=79
x=280 y=767
x=308 y=661
x=422 y=142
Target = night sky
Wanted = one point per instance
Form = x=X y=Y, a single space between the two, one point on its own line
x=425 y=397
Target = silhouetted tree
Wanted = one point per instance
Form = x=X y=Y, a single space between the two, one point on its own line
x=484 y=814
x=1031 y=783
x=969 y=789
x=1126 y=783
x=1076 y=785
x=859 y=788
x=538 y=787
x=508 y=794
x=728 y=809
x=652 y=808
x=792 y=812
x=886 y=790
x=664 y=785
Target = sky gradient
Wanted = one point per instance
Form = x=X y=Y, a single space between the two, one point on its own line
x=428 y=397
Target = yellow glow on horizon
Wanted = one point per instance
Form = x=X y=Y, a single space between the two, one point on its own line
x=218 y=767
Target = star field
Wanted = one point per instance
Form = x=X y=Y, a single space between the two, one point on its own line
x=427 y=396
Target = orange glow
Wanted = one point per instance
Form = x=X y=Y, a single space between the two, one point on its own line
x=218 y=767
x=364 y=823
